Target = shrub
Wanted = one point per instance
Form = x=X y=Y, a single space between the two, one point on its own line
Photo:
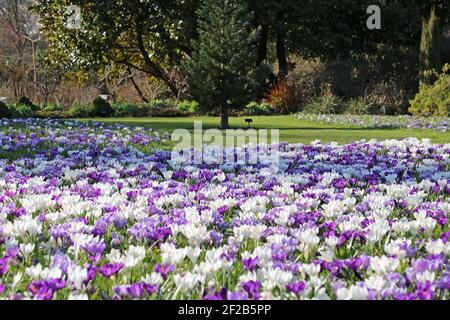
x=165 y=112
x=189 y=106
x=25 y=101
x=358 y=106
x=101 y=108
x=53 y=114
x=161 y=104
x=257 y=109
x=4 y=111
x=126 y=110
x=286 y=96
x=387 y=97
x=23 y=111
x=163 y=108
x=433 y=100
x=327 y=103
x=79 y=111
x=53 y=107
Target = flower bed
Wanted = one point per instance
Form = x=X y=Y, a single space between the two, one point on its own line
x=88 y=215
x=440 y=124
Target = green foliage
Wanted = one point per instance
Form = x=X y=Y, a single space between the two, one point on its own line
x=161 y=104
x=23 y=111
x=4 y=111
x=151 y=35
x=56 y=114
x=222 y=71
x=325 y=104
x=126 y=110
x=187 y=106
x=357 y=106
x=257 y=109
x=79 y=111
x=430 y=48
x=53 y=107
x=165 y=113
x=101 y=108
x=25 y=101
x=433 y=100
x=163 y=108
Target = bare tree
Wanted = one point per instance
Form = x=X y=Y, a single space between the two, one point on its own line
x=18 y=26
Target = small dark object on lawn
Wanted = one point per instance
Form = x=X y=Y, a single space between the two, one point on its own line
x=248 y=122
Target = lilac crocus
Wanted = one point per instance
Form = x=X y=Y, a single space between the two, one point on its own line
x=111 y=269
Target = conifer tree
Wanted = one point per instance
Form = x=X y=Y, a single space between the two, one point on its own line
x=221 y=72
x=430 y=47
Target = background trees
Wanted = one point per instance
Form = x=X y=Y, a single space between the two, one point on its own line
x=308 y=44
x=151 y=36
x=223 y=68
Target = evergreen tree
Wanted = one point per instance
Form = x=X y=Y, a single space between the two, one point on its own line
x=221 y=72
x=430 y=47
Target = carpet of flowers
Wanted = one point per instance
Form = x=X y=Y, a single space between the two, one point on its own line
x=440 y=124
x=86 y=214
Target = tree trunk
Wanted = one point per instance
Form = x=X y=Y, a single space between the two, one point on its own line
x=224 y=117
x=283 y=67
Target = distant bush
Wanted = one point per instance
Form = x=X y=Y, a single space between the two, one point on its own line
x=25 y=101
x=23 y=111
x=433 y=100
x=357 y=106
x=286 y=96
x=327 y=103
x=257 y=109
x=387 y=97
x=161 y=104
x=189 y=106
x=165 y=112
x=163 y=108
x=4 y=111
x=101 y=108
x=53 y=107
x=126 y=110
x=79 y=111
x=53 y=114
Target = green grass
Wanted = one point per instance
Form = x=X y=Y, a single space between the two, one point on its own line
x=291 y=129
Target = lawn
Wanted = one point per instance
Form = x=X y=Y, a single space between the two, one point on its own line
x=291 y=129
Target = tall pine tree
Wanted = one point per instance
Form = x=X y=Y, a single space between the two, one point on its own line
x=221 y=72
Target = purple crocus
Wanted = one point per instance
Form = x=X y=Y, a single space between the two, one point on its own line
x=164 y=269
x=296 y=287
x=111 y=269
x=250 y=264
x=252 y=288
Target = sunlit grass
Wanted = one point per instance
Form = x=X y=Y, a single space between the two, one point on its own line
x=291 y=129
